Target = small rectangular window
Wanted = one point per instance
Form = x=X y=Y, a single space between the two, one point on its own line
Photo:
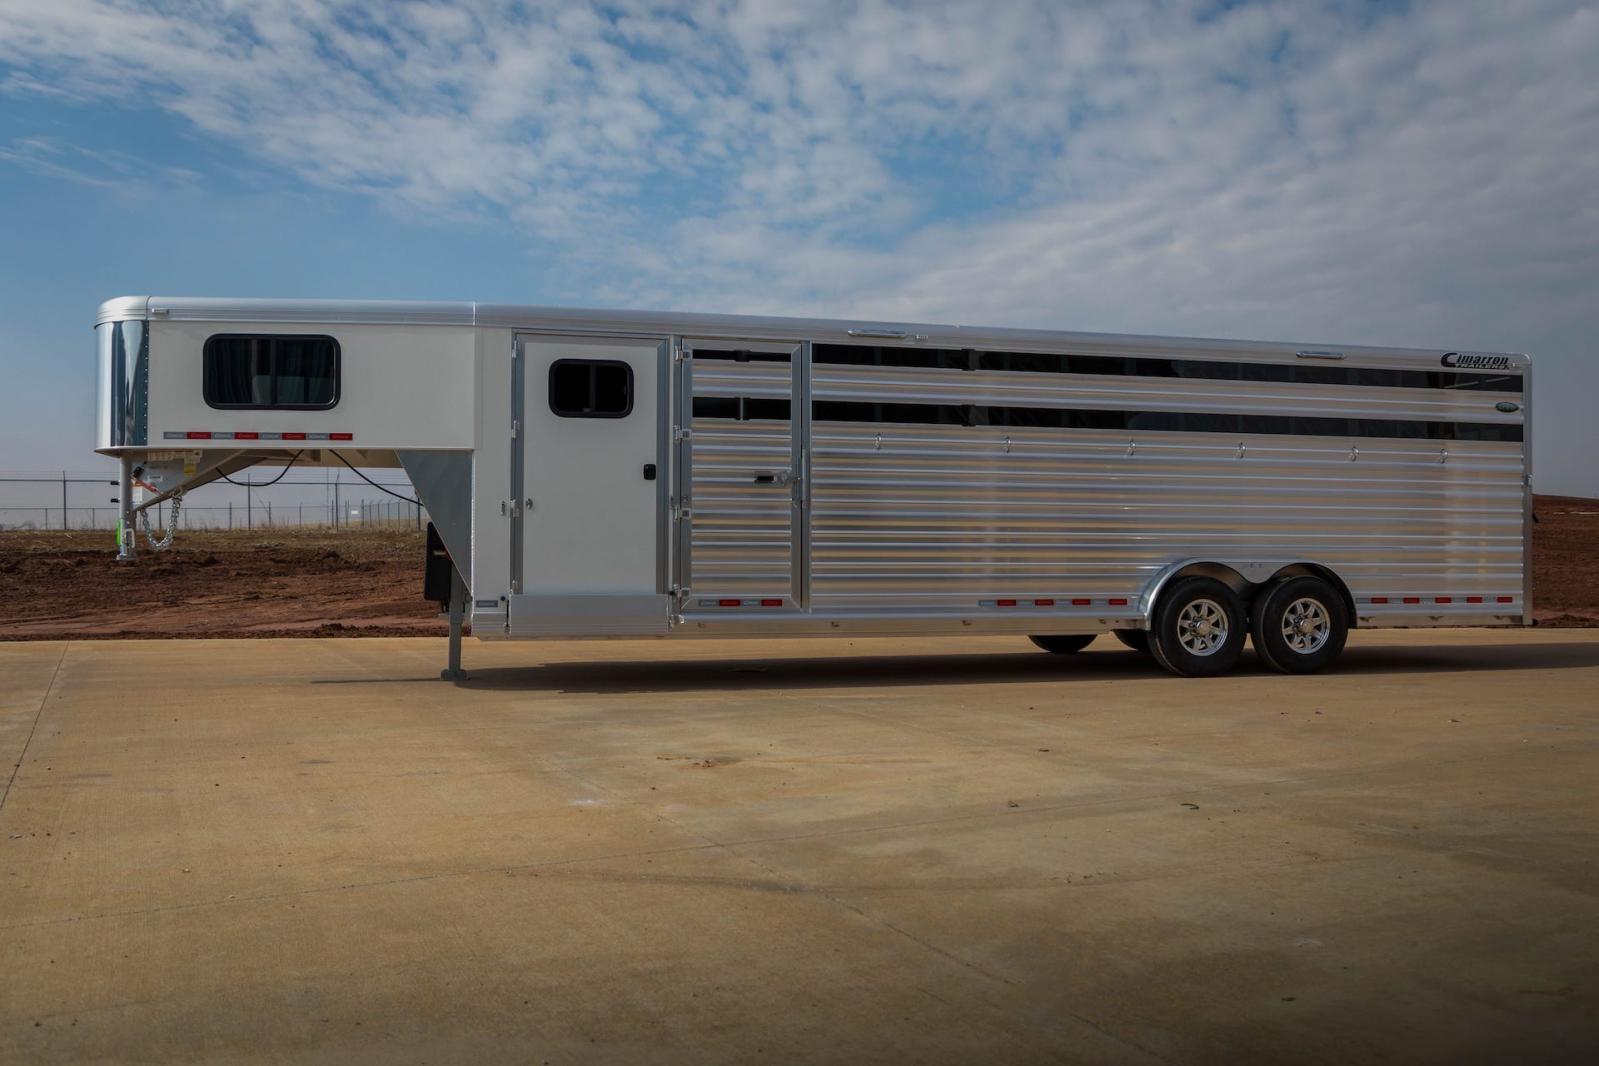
x=591 y=388
x=271 y=371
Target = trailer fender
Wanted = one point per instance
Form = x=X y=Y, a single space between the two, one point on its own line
x=1245 y=577
x=1327 y=574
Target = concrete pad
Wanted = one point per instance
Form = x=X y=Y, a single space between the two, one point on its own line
x=852 y=851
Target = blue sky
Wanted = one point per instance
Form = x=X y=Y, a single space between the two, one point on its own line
x=1420 y=173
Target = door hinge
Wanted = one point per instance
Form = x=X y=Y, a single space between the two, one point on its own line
x=681 y=434
x=516 y=428
x=681 y=354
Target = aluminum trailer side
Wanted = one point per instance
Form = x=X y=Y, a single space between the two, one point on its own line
x=628 y=474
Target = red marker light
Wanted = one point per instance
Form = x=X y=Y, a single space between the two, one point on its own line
x=1117 y=603
x=247 y=436
x=1473 y=599
x=1043 y=603
x=771 y=603
x=294 y=436
x=1004 y=603
x=195 y=434
x=1379 y=599
x=1444 y=599
x=729 y=603
x=1081 y=603
x=1507 y=599
x=1412 y=599
x=341 y=436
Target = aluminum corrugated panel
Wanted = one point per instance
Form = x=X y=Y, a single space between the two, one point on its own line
x=941 y=518
x=743 y=532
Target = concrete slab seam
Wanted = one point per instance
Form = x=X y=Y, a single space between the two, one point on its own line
x=23 y=754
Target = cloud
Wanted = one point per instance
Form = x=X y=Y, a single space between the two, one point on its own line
x=106 y=169
x=1358 y=172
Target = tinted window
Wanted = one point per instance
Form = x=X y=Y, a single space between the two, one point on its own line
x=741 y=408
x=271 y=371
x=591 y=388
x=741 y=355
x=1142 y=366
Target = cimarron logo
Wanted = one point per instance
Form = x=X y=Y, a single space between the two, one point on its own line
x=1473 y=361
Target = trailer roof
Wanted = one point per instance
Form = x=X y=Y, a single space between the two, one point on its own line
x=591 y=320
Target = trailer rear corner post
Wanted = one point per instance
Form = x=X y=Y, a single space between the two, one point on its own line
x=453 y=671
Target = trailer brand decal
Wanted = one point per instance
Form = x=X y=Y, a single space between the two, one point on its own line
x=1474 y=361
x=207 y=434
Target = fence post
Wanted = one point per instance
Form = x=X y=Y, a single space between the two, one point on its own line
x=230 y=514
x=269 y=512
x=63 y=499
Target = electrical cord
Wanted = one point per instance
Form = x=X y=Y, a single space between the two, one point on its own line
x=264 y=484
x=369 y=481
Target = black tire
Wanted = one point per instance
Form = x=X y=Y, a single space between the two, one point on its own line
x=1300 y=625
x=1064 y=645
x=1199 y=628
x=1136 y=639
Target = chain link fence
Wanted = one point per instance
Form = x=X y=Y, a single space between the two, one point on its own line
x=35 y=502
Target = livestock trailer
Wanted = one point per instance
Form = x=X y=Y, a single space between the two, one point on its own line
x=640 y=474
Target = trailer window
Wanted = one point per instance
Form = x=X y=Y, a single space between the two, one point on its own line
x=591 y=388
x=271 y=371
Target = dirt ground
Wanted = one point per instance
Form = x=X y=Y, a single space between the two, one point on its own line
x=211 y=583
x=290 y=582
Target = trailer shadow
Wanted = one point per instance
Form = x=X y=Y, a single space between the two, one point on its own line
x=908 y=671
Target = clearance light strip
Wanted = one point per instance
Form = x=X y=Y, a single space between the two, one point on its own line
x=1379 y=601
x=1120 y=601
x=770 y=602
x=211 y=434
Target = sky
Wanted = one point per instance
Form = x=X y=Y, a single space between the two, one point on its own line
x=1336 y=173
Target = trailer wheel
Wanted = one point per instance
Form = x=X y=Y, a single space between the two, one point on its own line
x=1066 y=645
x=1198 y=628
x=1299 y=625
x=1136 y=639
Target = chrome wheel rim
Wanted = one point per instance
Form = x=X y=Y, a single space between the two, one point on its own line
x=1306 y=625
x=1202 y=627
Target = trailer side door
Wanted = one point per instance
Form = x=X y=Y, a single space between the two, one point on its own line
x=587 y=487
x=741 y=535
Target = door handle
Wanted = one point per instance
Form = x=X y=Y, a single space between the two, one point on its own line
x=775 y=477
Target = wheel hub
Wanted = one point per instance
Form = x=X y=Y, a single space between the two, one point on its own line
x=1202 y=627
x=1306 y=625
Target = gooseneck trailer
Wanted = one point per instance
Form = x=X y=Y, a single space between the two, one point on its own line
x=639 y=474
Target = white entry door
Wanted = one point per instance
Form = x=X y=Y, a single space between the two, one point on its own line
x=587 y=538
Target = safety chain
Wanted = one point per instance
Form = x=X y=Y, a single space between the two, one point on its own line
x=172 y=525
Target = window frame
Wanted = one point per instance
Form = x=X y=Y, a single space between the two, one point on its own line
x=208 y=376
x=593 y=366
